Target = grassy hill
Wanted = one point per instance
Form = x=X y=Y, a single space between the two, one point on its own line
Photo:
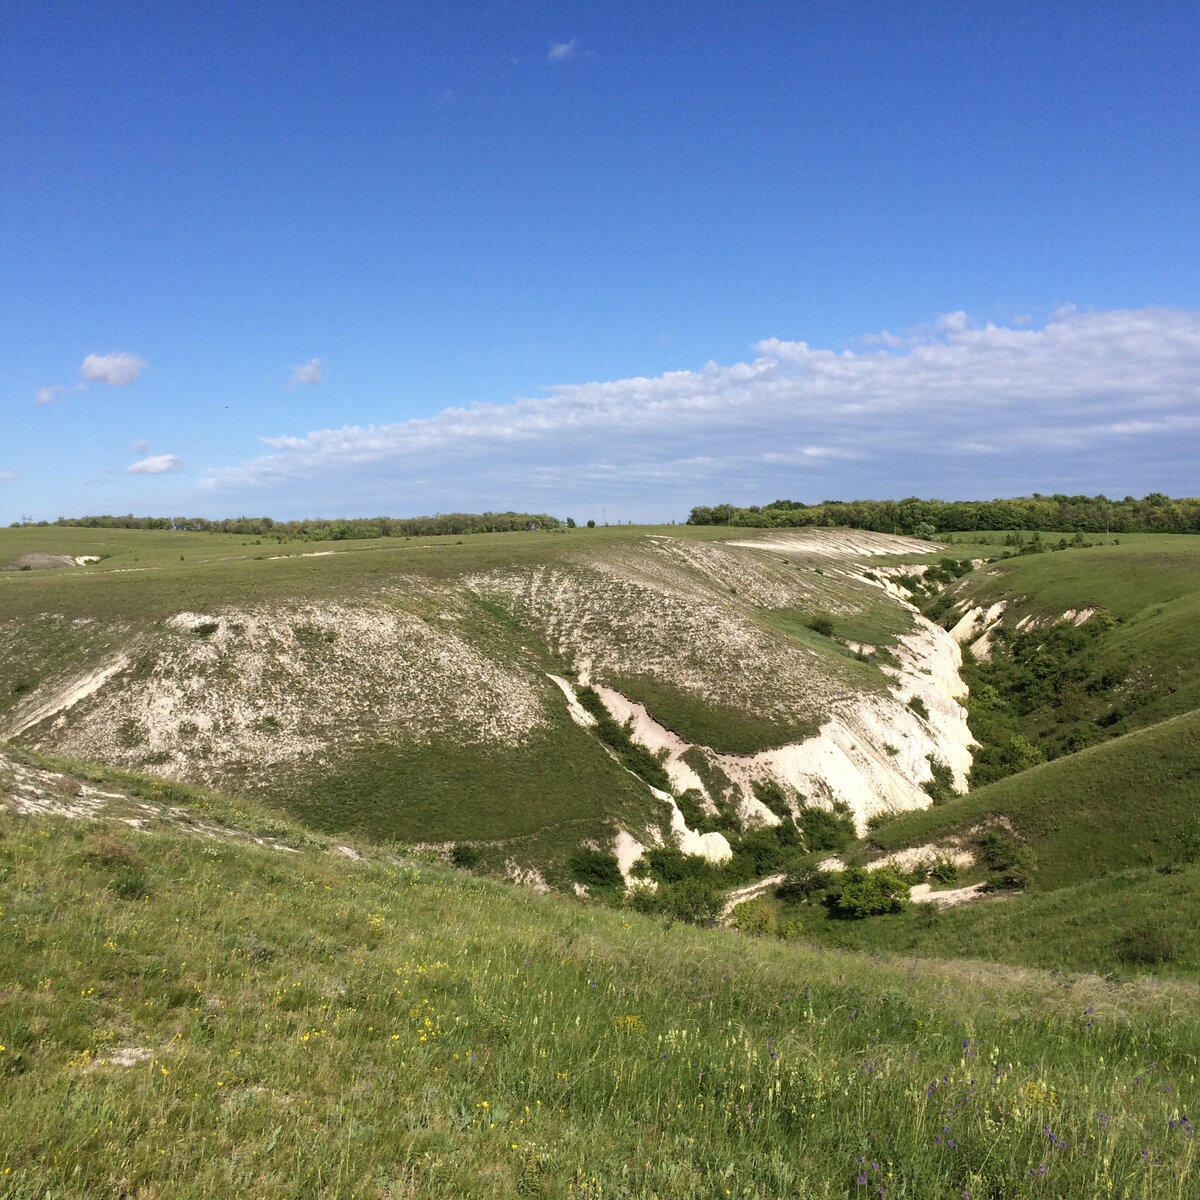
x=1134 y=801
x=264 y=989
x=187 y=1012
x=400 y=687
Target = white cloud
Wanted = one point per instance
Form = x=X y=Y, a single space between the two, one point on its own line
x=309 y=372
x=561 y=51
x=1088 y=402
x=115 y=370
x=159 y=464
x=141 y=446
x=47 y=394
x=10 y=476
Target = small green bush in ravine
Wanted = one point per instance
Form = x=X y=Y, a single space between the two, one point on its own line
x=773 y=795
x=945 y=870
x=595 y=869
x=917 y=705
x=868 y=893
x=940 y=787
x=465 y=856
x=827 y=828
x=821 y=624
x=695 y=899
x=756 y=917
x=803 y=885
x=691 y=806
x=1011 y=864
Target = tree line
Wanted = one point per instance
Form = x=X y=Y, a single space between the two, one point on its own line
x=438 y=525
x=1154 y=513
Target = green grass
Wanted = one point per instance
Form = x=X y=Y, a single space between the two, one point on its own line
x=1089 y=926
x=722 y=728
x=1121 y=804
x=1126 y=579
x=309 y=1026
x=423 y=793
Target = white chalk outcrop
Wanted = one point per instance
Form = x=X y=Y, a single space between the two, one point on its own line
x=976 y=627
x=872 y=754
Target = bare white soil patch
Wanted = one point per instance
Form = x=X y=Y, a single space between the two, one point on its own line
x=127 y=1056
x=849 y=760
x=976 y=626
x=837 y=543
x=751 y=891
x=947 y=898
x=910 y=856
x=41 y=708
x=268 y=685
x=579 y=714
x=663 y=611
x=628 y=850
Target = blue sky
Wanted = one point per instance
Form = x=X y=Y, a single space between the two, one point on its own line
x=347 y=259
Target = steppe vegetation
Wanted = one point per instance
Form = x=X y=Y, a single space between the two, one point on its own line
x=306 y=977
x=195 y=1016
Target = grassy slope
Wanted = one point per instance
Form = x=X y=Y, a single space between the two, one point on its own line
x=74 y=619
x=1119 y=804
x=1099 y=925
x=1099 y=820
x=306 y=1025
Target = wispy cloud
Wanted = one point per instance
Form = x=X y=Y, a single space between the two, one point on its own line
x=309 y=372
x=1088 y=401
x=141 y=446
x=159 y=464
x=561 y=51
x=115 y=370
x=10 y=476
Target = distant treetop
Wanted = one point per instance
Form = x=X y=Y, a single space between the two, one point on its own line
x=438 y=525
x=1059 y=513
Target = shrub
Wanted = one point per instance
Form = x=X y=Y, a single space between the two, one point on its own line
x=827 y=829
x=870 y=893
x=695 y=900
x=765 y=847
x=691 y=805
x=755 y=917
x=129 y=884
x=917 y=705
x=945 y=870
x=1011 y=865
x=940 y=787
x=465 y=856
x=773 y=795
x=596 y=869
x=821 y=624
x=669 y=864
x=803 y=885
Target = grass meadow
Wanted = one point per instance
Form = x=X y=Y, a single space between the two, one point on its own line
x=189 y=1017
